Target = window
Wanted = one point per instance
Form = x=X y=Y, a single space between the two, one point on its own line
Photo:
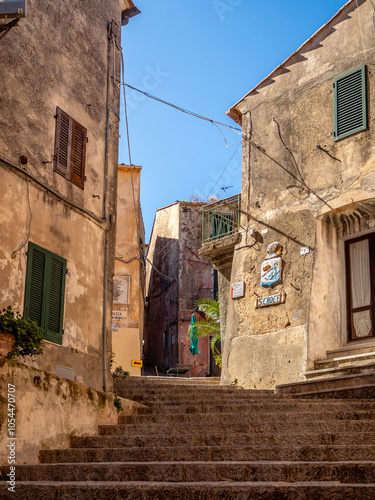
x=70 y=148
x=349 y=103
x=44 y=294
x=360 y=284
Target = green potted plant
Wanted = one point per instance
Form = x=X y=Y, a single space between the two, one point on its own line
x=19 y=336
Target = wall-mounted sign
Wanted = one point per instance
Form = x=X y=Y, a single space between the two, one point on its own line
x=118 y=315
x=271 y=300
x=114 y=327
x=237 y=290
x=137 y=362
x=272 y=265
x=121 y=284
x=304 y=250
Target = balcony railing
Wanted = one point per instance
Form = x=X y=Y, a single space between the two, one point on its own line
x=221 y=218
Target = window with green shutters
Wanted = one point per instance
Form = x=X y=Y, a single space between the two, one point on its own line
x=349 y=103
x=44 y=293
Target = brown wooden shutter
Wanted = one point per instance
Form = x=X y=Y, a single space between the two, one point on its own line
x=78 y=156
x=70 y=148
x=62 y=142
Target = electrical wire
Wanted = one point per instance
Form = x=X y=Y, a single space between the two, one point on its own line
x=128 y=138
x=179 y=108
x=302 y=182
x=159 y=272
x=31 y=218
x=286 y=147
x=222 y=173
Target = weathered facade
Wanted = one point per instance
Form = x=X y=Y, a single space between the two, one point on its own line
x=176 y=277
x=129 y=278
x=308 y=183
x=59 y=124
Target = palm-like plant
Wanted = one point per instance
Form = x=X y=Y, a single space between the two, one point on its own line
x=210 y=325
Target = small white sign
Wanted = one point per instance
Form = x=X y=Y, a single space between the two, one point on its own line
x=304 y=250
x=238 y=290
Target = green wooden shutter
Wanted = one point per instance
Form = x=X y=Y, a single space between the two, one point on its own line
x=349 y=103
x=35 y=285
x=44 y=293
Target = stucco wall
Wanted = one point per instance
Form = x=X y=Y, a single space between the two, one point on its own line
x=162 y=290
x=127 y=335
x=174 y=246
x=195 y=281
x=289 y=120
x=49 y=410
x=57 y=56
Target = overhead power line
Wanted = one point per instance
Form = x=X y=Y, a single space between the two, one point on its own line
x=179 y=108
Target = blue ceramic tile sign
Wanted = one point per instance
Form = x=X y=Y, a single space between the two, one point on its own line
x=272 y=265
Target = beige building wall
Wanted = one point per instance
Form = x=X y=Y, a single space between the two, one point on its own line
x=287 y=123
x=129 y=278
x=62 y=55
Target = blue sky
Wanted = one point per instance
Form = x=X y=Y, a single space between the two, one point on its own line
x=202 y=55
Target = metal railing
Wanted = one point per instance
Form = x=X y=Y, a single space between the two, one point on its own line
x=221 y=218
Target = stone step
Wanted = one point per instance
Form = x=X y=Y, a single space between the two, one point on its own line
x=352 y=349
x=251 y=416
x=245 y=426
x=100 y=490
x=190 y=393
x=198 y=471
x=215 y=439
x=329 y=369
x=293 y=405
x=358 y=361
x=334 y=383
x=316 y=453
x=155 y=402
x=151 y=380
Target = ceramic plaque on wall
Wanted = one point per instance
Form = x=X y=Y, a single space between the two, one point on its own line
x=272 y=265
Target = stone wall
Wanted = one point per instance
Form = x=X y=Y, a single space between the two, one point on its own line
x=49 y=410
x=304 y=190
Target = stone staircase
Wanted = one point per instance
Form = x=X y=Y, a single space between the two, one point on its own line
x=348 y=372
x=203 y=441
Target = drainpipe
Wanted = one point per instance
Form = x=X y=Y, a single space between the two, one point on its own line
x=106 y=244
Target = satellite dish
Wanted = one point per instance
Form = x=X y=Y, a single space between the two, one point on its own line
x=12 y=9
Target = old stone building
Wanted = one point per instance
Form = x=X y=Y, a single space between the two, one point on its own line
x=308 y=184
x=130 y=274
x=59 y=99
x=176 y=277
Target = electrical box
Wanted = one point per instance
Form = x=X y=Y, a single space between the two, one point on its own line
x=11 y=9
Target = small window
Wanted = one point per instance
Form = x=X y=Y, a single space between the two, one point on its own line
x=349 y=103
x=70 y=148
x=44 y=293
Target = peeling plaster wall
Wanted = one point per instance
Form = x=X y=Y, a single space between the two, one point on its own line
x=50 y=410
x=57 y=56
x=174 y=245
x=127 y=336
x=289 y=119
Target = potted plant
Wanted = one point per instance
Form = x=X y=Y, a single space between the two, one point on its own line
x=19 y=336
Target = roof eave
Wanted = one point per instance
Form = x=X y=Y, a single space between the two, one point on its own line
x=235 y=113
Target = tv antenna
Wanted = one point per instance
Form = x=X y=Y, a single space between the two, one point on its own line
x=225 y=190
x=11 y=12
